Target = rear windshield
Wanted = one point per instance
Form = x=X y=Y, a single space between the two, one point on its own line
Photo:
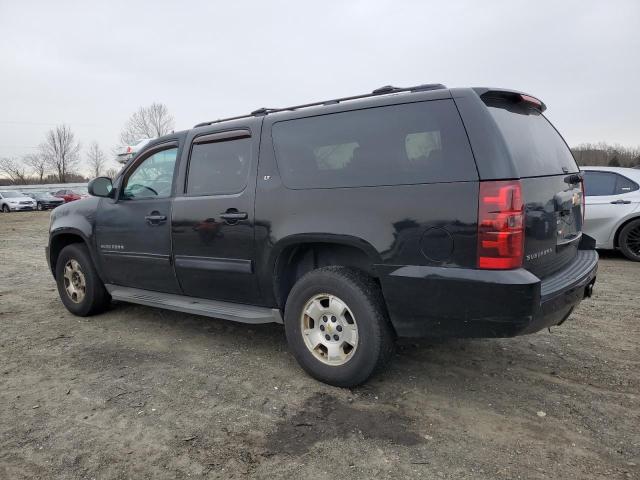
x=421 y=142
x=534 y=144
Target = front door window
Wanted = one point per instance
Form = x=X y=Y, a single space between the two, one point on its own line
x=153 y=178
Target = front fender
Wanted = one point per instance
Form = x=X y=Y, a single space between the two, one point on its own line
x=76 y=219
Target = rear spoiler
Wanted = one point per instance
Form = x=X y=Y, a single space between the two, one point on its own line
x=510 y=95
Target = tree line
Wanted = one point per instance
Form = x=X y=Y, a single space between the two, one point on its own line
x=58 y=158
x=603 y=154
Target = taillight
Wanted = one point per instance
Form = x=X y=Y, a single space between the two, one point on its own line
x=500 y=225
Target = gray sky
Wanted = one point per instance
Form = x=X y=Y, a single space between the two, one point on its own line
x=91 y=64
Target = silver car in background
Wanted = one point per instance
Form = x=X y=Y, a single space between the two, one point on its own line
x=612 y=214
x=11 y=201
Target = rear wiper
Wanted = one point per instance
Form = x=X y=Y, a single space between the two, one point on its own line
x=574 y=178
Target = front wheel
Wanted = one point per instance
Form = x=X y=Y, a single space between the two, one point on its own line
x=39 y=206
x=337 y=327
x=629 y=240
x=79 y=285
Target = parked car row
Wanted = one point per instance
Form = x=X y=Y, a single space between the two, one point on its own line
x=13 y=201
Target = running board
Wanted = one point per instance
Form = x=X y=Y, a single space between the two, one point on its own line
x=197 y=306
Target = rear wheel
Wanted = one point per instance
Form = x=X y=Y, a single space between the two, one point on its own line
x=79 y=286
x=5 y=208
x=39 y=206
x=629 y=240
x=337 y=326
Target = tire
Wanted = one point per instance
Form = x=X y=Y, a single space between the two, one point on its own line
x=629 y=240
x=95 y=297
x=364 y=306
x=5 y=208
x=39 y=207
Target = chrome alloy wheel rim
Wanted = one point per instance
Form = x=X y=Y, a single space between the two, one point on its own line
x=329 y=329
x=74 y=281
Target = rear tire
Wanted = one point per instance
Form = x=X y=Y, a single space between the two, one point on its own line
x=629 y=240
x=356 y=338
x=5 y=208
x=80 y=289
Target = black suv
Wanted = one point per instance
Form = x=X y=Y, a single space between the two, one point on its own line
x=421 y=211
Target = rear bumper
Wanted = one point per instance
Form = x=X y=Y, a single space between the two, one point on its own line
x=454 y=302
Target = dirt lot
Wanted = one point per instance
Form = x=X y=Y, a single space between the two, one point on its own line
x=143 y=393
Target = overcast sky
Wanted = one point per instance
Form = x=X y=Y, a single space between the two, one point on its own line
x=91 y=64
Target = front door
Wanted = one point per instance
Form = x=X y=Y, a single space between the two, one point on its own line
x=212 y=219
x=133 y=230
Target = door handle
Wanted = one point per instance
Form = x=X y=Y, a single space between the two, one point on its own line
x=621 y=202
x=232 y=216
x=154 y=218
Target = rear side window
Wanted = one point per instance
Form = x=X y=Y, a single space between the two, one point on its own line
x=422 y=142
x=219 y=168
x=534 y=144
x=597 y=184
x=625 y=185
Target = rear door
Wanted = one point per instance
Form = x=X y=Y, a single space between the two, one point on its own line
x=609 y=198
x=213 y=217
x=551 y=189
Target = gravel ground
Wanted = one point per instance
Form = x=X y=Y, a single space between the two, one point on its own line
x=143 y=393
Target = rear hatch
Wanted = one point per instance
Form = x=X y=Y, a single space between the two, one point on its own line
x=549 y=175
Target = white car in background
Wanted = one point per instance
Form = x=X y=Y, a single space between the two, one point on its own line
x=12 y=201
x=612 y=214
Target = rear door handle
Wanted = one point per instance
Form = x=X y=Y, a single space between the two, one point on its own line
x=154 y=218
x=621 y=202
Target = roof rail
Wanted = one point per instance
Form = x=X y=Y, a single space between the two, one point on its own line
x=387 y=89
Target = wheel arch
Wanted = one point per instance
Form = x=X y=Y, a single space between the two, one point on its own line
x=296 y=255
x=62 y=238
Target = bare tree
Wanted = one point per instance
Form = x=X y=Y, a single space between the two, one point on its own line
x=60 y=151
x=605 y=154
x=148 y=122
x=38 y=164
x=111 y=173
x=14 y=170
x=96 y=159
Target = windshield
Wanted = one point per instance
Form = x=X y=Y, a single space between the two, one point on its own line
x=11 y=194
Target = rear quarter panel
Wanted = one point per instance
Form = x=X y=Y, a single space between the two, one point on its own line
x=388 y=222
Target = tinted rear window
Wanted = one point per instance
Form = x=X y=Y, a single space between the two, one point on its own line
x=534 y=144
x=219 y=168
x=413 y=143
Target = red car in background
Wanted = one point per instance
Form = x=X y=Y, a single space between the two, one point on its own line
x=67 y=195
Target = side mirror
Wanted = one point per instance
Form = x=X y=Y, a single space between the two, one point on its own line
x=100 y=187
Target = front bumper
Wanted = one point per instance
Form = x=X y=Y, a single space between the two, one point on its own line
x=19 y=208
x=49 y=205
x=453 y=302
